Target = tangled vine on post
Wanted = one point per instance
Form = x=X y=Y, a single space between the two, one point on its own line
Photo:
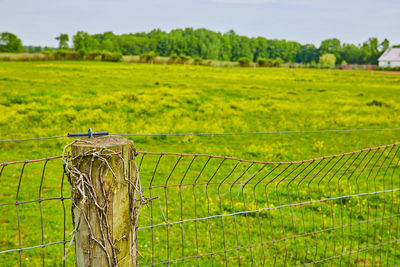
x=105 y=186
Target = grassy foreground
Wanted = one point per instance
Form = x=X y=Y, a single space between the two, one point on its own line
x=53 y=98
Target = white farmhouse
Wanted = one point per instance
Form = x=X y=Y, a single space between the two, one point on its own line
x=391 y=58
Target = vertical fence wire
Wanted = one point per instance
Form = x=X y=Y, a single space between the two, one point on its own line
x=208 y=210
x=34 y=228
x=334 y=210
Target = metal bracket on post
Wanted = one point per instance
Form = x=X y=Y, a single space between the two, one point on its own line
x=89 y=134
x=103 y=174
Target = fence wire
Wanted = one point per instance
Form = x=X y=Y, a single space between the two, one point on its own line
x=220 y=211
x=34 y=213
x=215 y=134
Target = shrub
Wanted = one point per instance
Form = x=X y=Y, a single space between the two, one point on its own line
x=24 y=57
x=388 y=68
x=5 y=58
x=313 y=64
x=375 y=103
x=244 y=62
x=278 y=62
x=183 y=59
x=265 y=62
x=93 y=55
x=48 y=55
x=172 y=58
x=38 y=57
x=327 y=59
x=148 y=57
x=72 y=55
x=344 y=65
x=80 y=54
x=197 y=61
x=110 y=56
x=60 y=54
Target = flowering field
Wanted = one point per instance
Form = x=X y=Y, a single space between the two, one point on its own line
x=53 y=98
x=46 y=99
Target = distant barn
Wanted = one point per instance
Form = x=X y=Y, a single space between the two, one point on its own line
x=391 y=58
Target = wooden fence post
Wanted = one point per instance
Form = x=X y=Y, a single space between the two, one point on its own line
x=103 y=208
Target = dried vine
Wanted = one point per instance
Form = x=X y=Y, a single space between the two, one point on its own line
x=84 y=191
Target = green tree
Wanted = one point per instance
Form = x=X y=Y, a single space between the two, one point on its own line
x=82 y=40
x=107 y=45
x=10 y=43
x=229 y=46
x=47 y=49
x=327 y=59
x=307 y=53
x=108 y=41
x=384 y=45
x=370 y=51
x=351 y=54
x=261 y=46
x=33 y=49
x=63 y=40
x=225 y=53
x=331 y=46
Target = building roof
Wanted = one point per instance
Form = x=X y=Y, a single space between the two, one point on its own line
x=392 y=54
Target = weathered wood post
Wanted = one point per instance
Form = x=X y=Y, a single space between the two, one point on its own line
x=103 y=194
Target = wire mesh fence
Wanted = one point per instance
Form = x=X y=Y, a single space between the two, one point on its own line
x=34 y=213
x=211 y=211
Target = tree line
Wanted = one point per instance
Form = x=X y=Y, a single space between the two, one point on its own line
x=206 y=44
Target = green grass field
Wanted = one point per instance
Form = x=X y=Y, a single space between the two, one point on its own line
x=45 y=99
x=53 y=98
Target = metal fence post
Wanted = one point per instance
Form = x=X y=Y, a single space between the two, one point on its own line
x=103 y=201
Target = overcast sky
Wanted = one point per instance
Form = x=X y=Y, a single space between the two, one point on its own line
x=37 y=22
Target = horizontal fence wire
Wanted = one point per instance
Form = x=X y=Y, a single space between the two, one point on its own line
x=221 y=211
x=29 y=161
x=261 y=133
x=33 y=139
x=210 y=210
x=34 y=213
x=216 y=134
